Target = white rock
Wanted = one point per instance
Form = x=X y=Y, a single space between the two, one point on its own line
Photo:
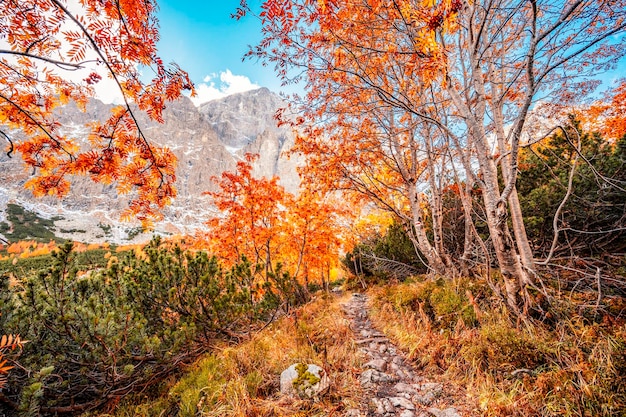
x=402 y=403
x=311 y=382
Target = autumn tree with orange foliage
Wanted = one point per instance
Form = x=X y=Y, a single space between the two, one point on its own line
x=261 y=222
x=464 y=74
x=43 y=45
x=251 y=211
x=314 y=236
x=609 y=115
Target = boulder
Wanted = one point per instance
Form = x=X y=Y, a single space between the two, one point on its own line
x=304 y=381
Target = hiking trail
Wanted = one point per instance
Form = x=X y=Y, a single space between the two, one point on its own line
x=392 y=384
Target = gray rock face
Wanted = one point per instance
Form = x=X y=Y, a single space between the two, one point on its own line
x=304 y=381
x=238 y=119
x=246 y=123
x=207 y=141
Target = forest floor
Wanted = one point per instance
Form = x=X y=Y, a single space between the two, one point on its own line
x=405 y=350
x=370 y=376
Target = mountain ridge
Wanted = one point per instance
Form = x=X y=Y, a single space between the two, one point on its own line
x=207 y=140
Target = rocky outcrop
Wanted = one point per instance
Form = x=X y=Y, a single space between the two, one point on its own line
x=239 y=118
x=246 y=123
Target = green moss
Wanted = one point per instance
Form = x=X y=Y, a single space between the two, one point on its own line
x=305 y=379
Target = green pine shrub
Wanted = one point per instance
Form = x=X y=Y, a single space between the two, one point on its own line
x=95 y=337
x=387 y=256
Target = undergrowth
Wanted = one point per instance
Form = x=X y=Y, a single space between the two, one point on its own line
x=243 y=380
x=566 y=366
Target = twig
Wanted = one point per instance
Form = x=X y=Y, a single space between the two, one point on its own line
x=570 y=183
x=599 y=287
x=10 y=151
x=61 y=64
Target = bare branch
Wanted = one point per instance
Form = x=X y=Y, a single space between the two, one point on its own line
x=10 y=151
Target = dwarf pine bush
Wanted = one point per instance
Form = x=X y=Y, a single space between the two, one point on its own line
x=97 y=336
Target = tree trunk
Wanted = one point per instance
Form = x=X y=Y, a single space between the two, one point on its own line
x=521 y=237
x=515 y=278
x=436 y=203
x=513 y=273
x=418 y=235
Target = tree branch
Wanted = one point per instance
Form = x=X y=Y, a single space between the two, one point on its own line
x=61 y=64
x=10 y=151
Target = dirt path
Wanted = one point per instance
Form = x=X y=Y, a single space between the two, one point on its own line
x=392 y=384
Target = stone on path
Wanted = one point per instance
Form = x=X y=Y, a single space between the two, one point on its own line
x=448 y=412
x=383 y=406
x=428 y=393
x=402 y=403
x=372 y=377
x=377 y=364
x=403 y=387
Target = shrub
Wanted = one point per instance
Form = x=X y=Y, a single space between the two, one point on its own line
x=95 y=337
x=391 y=255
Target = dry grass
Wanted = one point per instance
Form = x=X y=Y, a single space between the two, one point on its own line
x=243 y=380
x=572 y=367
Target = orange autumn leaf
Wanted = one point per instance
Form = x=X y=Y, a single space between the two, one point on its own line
x=109 y=39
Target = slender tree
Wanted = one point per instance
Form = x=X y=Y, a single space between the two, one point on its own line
x=472 y=70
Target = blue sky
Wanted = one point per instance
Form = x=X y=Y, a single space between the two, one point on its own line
x=205 y=41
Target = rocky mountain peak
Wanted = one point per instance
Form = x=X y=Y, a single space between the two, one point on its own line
x=207 y=141
x=240 y=118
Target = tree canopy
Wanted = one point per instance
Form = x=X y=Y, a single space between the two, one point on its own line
x=53 y=52
x=405 y=98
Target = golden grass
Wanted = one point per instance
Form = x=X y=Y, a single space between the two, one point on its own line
x=574 y=367
x=243 y=380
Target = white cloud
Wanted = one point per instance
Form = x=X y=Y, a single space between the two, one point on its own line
x=214 y=87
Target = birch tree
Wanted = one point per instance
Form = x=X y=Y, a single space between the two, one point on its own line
x=473 y=71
